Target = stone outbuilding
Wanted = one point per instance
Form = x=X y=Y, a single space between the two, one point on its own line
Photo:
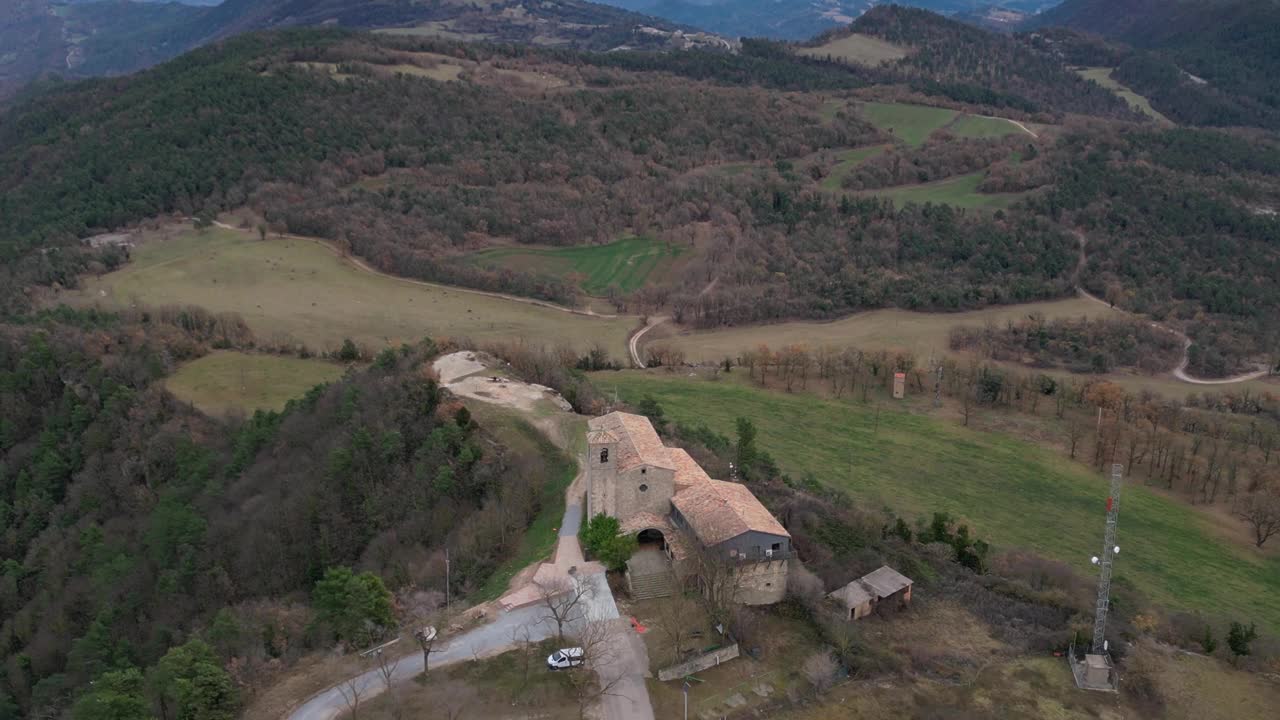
x=862 y=596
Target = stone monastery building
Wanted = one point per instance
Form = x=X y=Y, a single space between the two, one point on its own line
x=682 y=517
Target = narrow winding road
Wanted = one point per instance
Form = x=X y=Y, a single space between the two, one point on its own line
x=633 y=344
x=1179 y=372
x=622 y=670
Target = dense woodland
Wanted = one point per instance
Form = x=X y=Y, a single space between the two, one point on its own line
x=1079 y=345
x=411 y=174
x=1200 y=62
x=976 y=66
x=132 y=523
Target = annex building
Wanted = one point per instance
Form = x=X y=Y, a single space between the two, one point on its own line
x=686 y=521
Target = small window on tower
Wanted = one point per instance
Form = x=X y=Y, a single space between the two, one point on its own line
x=644 y=470
x=604 y=455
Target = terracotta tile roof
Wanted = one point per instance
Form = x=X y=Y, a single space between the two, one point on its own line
x=601 y=436
x=718 y=510
x=638 y=443
x=688 y=471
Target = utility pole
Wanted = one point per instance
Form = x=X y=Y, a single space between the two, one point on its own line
x=1109 y=550
x=447 y=599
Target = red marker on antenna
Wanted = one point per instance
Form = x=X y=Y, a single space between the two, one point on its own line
x=1108 y=504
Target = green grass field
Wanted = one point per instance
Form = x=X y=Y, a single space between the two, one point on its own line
x=626 y=264
x=960 y=191
x=913 y=124
x=302 y=289
x=1102 y=76
x=1014 y=493
x=857 y=48
x=846 y=161
x=223 y=382
x=972 y=126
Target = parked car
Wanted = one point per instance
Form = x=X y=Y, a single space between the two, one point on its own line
x=565 y=658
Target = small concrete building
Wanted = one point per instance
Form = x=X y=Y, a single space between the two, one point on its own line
x=675 y=509
x=861 y=597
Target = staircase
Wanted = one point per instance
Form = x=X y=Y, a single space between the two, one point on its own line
x=645 y=587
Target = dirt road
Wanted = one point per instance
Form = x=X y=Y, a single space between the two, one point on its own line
x=1180 y=372
x=633 y=345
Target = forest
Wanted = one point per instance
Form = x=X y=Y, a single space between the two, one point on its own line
x=144 y=540
x=1200 y=62
x=1079 y=345
x=413 y=175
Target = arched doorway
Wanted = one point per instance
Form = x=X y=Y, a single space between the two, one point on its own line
x=651 y=538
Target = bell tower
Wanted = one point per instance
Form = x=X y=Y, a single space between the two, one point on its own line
x=602 y=473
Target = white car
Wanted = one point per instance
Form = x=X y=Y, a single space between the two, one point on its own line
x=565 y=658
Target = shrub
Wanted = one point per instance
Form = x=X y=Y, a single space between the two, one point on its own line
x=601 y=539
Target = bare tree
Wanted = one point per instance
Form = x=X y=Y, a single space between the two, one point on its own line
x=820 y=670
x=522 y=639
x=352 y=690
x=1261 y=511
x=720 y=578
x=673 y=622
x=564 y=599
x=426 y=637
x=599 y=640
x=1075 y=432
x=387 y=673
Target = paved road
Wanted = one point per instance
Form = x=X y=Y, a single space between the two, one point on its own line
x=483 y=640
x=625 y=666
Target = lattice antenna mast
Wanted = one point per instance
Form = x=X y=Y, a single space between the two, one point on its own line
x=1109 y=550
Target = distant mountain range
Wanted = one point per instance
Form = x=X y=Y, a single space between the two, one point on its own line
x=110 y=37
x=803 y=19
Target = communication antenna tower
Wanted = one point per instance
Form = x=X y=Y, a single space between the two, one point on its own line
x=1109 y=550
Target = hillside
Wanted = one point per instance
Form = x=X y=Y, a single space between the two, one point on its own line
x=1201 y=63
x=370 y=144
x=803 y=19
x=132 y=522
x=112 y=37
x=969 y=64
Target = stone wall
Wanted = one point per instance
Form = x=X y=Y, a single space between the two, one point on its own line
x=629 y=499
x=762 y=583
x=699 y=663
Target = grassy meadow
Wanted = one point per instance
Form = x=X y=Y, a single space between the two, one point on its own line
x=858 y=49
x=974 y=126
x=1102 y=76
x=302 y=289
x=959 y=191
x=1011 y=492
x=626 y=263
x=224 y=381
x=913 y=124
